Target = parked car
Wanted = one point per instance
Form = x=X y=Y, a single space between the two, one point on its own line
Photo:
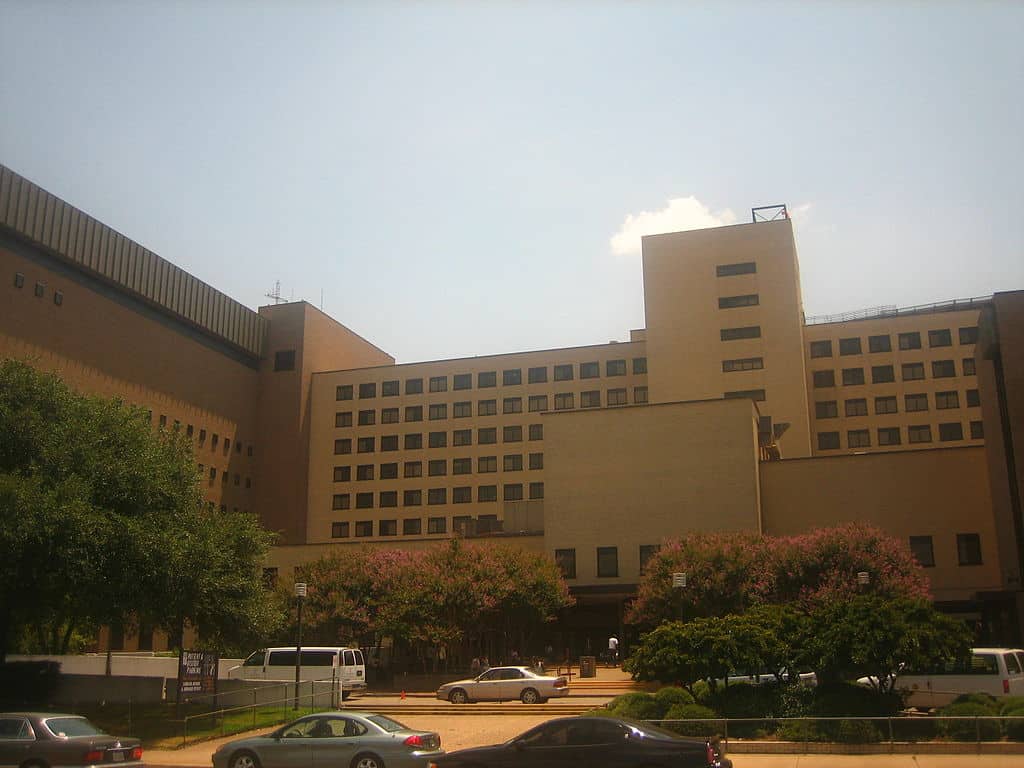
x=505 y=684
x=334 y=740
x=609 y=742
x=343 y=666
x=51 y=739
x=997 y=671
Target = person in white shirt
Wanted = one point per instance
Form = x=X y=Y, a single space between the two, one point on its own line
x=613 y=650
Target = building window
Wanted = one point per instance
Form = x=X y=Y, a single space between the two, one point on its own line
x=565 y=559
x=284 y=360
x=19 y=280
x=487 y=379
x=414 y=413
x=389 y=471
x=616 y=396
x=536 y=432
x=731 y=302
x=536 y=461
x=343 y=445
x=438 y=411
x=743 y=268
x=913 y=371
x=487 y=436
x=946 y=400
x=367 y=418
x=564 y=401
x=366 y=445
x=640 y=394
x=824 y=379
x=858 y=438
x=886 y=404
x=977 y=430
x=388 y=499
x=968 y=548
x=389 y=388
x=486 y=407
x=821 y=348
x=746 y=394
x=414 y=386
x=943 y=369
x=437 y=439
x=590 y=370
x=826 y=409
x=437 y=525
x=536 y=490
x=973 y=398
x=462 y=381
x=607 y=561
x=538 y=403
x=828 y=441
x=882 y=374
x=389 y=416
x=340 y=501
x=857 y=407
x=639 y=365
x=512 y=377
x=919 y=433
x=462 y=437
x=487 y=493
x=437 y=496
x=537 y=375
x=412 y=526
x=880 y=343
x=512 y=405
x=438 y=383
x=513 y=492
x=364 y=500
x=487 y=464
x=462 y=410
x=462 y=495
x=563 y=373
x=437 y=467
x=615 y=368
x=746 y=332
x=512 y=434
x=367 y=390
x=951 y=431
x=923 y=551
x=364 y=472
x=849 y=346
x=590 y=399
x=968 y=365
x=343 y=419
x=364 y=528
x=339 y=530
x=915 y=402
x=853 y=376
x=888 y=435
x=462 y=466
x=414 y=441
x=513 y=462
x=969 y=335
x=910 y=340
x=412 y=498
x=940 y=338
x=743 y=364
x=342 y=474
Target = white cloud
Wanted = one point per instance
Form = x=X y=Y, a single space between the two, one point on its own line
x=680 y=214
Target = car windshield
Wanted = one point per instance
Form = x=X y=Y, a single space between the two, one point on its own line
x=72 y=726
x=387 y=723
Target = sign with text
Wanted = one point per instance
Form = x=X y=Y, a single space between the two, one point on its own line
x=197 y=673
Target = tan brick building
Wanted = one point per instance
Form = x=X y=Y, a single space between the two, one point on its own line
x=728 y=411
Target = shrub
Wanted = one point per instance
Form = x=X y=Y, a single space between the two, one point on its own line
x=800 y=730
x=746 y=700
x=670 y=696
x=795 y=700
x=701 y=691
x=637 y=706
x=983 y=699
x=1009 y=703
x=914 y=728
x=969 y=729
x=857 y=732
x=1014 y=728
x=852 y=700
x=682 y=712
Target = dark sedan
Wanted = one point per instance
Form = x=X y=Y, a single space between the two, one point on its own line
x=609 y=742
x=50 y=739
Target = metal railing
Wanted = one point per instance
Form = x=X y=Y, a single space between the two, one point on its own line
x=891 y=310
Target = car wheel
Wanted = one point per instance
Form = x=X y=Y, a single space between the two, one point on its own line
x=529 y=696
x=244 y=760
x=367 y=760
x=458 y=696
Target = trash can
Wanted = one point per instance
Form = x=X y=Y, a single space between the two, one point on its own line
x=588 y=666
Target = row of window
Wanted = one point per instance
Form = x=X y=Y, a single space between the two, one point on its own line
x=968 y=549
x=883 y=343
x=414 y=441
x=487 y=379
x=414 y=497
x=413 y=526
x=885 y=374
x=607 y=560
x=912 y=403
x=40 y=289
x=224 y=476
x=201 y=440
x=464 y=409
x=917 y=433
x=511 y=462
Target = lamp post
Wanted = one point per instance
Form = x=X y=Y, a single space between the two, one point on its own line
x=679 y=582
x=300 y=593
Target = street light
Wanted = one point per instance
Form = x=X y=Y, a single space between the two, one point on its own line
x=300 y=593
x=679 y=582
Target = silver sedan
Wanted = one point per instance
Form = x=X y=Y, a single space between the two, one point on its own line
x=505 y=684
x=334 y=740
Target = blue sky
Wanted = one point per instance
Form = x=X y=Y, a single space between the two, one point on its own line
x=455 y=178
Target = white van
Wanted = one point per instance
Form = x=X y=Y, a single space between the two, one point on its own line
x=342 y=665
x=996 y=671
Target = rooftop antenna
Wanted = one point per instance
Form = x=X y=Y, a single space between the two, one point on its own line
x=276 y=293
